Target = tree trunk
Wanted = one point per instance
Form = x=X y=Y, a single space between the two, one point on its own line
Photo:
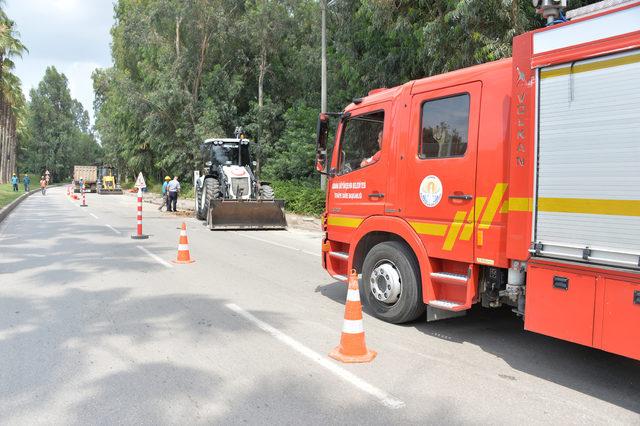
x=178 y=22
x=3 y=139
x=203 y=51
x=9 y=156
x=13 y=147
x=263 y=71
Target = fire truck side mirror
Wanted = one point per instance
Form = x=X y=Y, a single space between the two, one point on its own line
x=321 y=143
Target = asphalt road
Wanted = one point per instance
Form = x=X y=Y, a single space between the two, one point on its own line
x=97 y=328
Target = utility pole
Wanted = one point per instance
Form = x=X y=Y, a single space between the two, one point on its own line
x=323 y=89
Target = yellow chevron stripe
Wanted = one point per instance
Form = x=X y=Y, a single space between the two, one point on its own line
x=467 y=231
x=347 y=222
x=593 y=66
x=590 y=206
x=425 y=228
x=492 y=206
x=454 y=229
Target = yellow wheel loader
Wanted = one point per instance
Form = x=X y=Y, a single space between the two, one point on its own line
x=107 y=183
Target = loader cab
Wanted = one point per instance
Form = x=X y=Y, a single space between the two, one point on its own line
x=105 y=171
x=226 y=152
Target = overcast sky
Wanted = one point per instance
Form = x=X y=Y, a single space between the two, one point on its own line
x=72 y=35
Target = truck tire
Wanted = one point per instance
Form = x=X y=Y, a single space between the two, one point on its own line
x=212 y=192
x=391 y=285
x=266 y=192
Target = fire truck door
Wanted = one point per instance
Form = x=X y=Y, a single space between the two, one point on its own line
x=359 y=186
x=441 y=169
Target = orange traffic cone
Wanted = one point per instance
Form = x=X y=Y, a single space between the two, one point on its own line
x=183 y=247
x=352 y=345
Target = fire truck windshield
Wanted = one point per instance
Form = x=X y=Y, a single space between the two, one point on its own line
x=361 y=141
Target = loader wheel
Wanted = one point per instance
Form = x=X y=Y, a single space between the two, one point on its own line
x=391 y=285
x=266 y=192
x=212 y=191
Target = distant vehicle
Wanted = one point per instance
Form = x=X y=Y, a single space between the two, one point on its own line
x=88 y=175
x=229 y=195
x=107 y=181
x=512 y=183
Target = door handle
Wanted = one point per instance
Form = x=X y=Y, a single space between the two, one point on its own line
x=461 y=197
x=376 y=195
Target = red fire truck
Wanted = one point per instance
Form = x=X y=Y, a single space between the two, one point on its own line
x=514 y=183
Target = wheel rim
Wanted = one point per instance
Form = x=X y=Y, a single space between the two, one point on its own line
x=385 y=282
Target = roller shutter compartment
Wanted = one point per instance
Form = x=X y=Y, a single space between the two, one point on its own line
x=587 y=205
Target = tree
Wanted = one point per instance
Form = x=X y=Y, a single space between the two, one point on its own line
x=185 y=71
x=59 y=135
x=11 y=99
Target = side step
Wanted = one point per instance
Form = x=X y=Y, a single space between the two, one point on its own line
x=454 y=291
x=447 y=305
x=344 y=278
x=450 y=278
x=339 y=255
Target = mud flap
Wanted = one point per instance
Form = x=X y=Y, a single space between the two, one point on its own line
x=254 y=214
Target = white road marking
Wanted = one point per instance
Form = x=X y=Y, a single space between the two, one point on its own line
x=96 y=217
x=279 y=245
x=383 y=397
x=112 y=228
x=156 y=258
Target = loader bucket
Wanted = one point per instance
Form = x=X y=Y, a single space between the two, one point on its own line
x=110 y=191
x=253 y=214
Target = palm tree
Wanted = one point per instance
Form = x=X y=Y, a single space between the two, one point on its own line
x=11 y=98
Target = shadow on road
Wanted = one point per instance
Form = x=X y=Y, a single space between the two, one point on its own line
x=603 y=375
x=50 y=344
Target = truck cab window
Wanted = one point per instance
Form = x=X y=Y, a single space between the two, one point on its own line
x=445 y=127
x=361 y=142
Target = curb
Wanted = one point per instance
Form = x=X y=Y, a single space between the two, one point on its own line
x=4 y=212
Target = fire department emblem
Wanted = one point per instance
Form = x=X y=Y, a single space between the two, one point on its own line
x=431 y=191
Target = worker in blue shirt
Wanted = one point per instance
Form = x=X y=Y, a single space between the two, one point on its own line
x=173 y=188
x=26 y=181
x=164 y=192
x=14 y=182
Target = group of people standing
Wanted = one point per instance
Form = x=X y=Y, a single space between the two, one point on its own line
x=26 y=181
x=170 y=191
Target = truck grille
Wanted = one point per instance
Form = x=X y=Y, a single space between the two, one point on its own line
x=240 y=184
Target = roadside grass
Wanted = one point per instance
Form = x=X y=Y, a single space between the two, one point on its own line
x=302 y=197
x=7 y=195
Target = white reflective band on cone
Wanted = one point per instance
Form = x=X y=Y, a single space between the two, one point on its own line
x=183 y=233
x=353 y=295
x=139 y=222
x=183 y=247
x=352 y=327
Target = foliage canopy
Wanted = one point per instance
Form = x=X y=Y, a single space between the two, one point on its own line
x=187 y=70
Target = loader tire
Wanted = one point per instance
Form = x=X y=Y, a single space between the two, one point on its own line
x=266 y=192
x=212 y=192
x=390 y=266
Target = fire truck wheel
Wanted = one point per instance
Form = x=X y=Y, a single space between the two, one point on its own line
x=391 y=284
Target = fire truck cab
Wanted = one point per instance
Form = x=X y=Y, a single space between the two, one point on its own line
x=514 y=182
